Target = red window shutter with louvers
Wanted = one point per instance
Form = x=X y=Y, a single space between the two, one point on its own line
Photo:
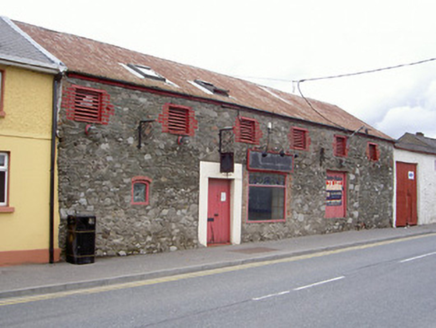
x=373 y=152
x=84 y=104
x=340 y=146
x=247 y=130
x=87 y=106
x=299 y=138
x=177 y=119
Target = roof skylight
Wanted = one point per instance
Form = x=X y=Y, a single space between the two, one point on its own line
x=144 y=72
x=212 y=88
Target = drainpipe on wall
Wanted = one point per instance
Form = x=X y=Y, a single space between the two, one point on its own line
x=56 y=83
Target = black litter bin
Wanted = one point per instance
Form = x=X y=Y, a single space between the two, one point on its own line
x=81 y=239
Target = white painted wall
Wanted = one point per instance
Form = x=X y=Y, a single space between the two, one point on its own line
x=208 y=171
x=426 y=183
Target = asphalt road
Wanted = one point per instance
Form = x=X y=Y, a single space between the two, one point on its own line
x=391 y=284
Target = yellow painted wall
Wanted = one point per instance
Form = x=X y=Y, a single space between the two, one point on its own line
x=25 y=133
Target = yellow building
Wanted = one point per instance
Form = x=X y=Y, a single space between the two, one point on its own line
x=29 y=216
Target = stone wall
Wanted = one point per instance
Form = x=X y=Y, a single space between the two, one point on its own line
x=96 y=171
x=369 y=187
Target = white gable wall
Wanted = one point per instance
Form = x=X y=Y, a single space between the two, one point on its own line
x=426 y=183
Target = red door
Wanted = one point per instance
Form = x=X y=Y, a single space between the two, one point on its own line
x=406 y=195
x=336 y=200
x=218 y=212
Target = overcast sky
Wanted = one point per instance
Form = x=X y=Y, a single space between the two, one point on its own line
x=275 y=42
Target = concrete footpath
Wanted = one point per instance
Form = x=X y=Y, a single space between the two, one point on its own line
x=33 y=279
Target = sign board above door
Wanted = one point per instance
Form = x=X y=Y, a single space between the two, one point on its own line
x=270 y=161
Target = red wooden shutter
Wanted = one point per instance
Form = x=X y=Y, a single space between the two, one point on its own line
x=87 y=105
x=299 y=138
x=247 y=131
x=340 y=146
x=178 y=120
x=373 y=152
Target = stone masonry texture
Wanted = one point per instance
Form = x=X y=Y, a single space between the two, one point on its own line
x=96 y=171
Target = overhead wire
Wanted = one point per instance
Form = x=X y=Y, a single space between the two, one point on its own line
x=376 y=70
x=342 y=75
x=365 y=72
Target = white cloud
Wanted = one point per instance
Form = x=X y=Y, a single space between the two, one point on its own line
x=399 y=120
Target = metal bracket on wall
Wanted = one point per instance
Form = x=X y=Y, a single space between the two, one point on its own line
x=140 y=127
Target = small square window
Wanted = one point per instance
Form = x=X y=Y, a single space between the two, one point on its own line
x=247 y=130
x=299 y=138
x=340 y=146
x=373 y=152
x=140 y=191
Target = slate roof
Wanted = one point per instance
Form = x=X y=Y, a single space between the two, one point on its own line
x=90 y=57
x=416 y=143
x=17 y=47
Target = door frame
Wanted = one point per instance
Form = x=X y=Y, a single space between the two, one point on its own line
x=209 y=170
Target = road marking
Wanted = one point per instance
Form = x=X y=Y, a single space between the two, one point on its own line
x=27 y=299
x=417 y=257
x=319 y=283
x=271 y=295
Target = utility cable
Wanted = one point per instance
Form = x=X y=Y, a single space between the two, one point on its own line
x=365 y=72
x=341 y=76
x=313 y=108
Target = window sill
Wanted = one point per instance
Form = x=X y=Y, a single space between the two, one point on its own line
x=7 y=209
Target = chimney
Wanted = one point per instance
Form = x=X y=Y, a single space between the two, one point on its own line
x=419 y=134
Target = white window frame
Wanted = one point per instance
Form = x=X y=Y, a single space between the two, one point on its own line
x=5 y=168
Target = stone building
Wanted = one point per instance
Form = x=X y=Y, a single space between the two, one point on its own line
x=170 y=156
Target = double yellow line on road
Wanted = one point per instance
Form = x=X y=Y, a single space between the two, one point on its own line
x=94 y=290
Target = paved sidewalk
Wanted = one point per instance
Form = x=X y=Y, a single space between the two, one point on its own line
x=35 y=279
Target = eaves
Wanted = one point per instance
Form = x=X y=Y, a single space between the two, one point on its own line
x=30 y=65
x=414 y=150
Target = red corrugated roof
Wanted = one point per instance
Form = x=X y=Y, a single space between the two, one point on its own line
x=83 y=55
